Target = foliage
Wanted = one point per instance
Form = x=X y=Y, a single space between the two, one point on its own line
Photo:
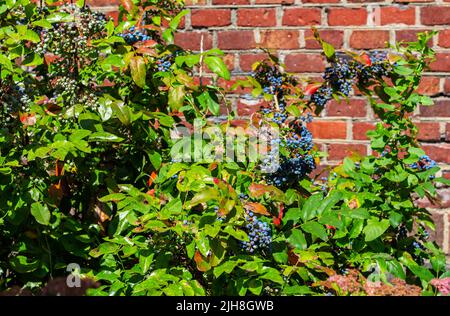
x=86 y=175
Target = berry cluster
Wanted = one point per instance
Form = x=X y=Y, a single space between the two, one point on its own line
x=258 y=232
x=340 y=76
x=343 y=73
x=295 y=137
x=134 y=35
x=424 y=163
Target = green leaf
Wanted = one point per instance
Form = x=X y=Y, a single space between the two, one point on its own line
x=315 y=229
x=297 y=239
x=40 y=213
x=122 y=112
x=422 y=272
x=22 y=265
x=328 y=49
x=155 y=159
x=375 y=229
x=311 y=206
x=209 y=101
x=216 y=65
x=177 y=19
x=226 y=267
x=176 y=97
x=104 y=137
x=138 y=70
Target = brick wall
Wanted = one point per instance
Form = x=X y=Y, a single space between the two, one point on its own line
x=241 y=27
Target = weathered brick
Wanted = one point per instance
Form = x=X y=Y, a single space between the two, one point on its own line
x=428 y=131
x=247 y=60
x=442 y=63
x=438 y=152
x=347 y=16
x=210 y=17
x=398 y=15
x=334 y=37
x=303 y=62
x=340 y=151
x=328 y=129
x=236 y=40
x=429 y=86
x=256 y=17
x=441 y=108
x=435 y=15
x=191 y=40
x=301 y=16
x=369 y=39
x=279 y=39
x=355 y=108
x=360 y=129
x=444 y=38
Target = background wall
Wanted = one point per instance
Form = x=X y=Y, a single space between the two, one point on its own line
x=240 y=27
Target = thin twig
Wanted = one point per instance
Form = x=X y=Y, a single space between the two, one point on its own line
x=201 y=61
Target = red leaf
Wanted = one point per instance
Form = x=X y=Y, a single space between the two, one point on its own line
x=312 y=88
x=366 y=59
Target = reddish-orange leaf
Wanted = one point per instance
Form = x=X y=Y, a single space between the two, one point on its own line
x=127 y=5
x=152 y=178
x=256 y=208
x=202 y=265
x=312 y=88
x=28 y=119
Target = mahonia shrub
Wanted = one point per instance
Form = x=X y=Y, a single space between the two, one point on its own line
x=88 y=112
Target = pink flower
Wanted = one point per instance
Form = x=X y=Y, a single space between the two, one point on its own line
x=443 y=285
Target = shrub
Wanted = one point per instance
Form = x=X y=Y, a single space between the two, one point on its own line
x=87 y=175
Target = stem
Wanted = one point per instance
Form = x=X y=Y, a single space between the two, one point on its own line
x=201 y=61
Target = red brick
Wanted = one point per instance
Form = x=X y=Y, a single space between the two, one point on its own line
x=369 y=39
x=444 y=38
x=191 y=40
x=279 y=39
x=301 y=16
x=208 y=18
x=355 y=108
x=256 y=17
x=429 y=86
x=434 y=15
x=345 y=17
x=274 y=1
x=360 y=130
x=248 y=107
x=428 y=131
x=441 y=108
x=447 y=132
x=328 y=129
x=442 y=62
x=320 y=1
x=409 y=1
x=247 y=60
x=438 y=152
x=407 y=35
x=334 y=37
x=340 y=151
x=305 y=62
x=398 y=15
x=230 y=2
x=236 y=40
x=447 y=85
